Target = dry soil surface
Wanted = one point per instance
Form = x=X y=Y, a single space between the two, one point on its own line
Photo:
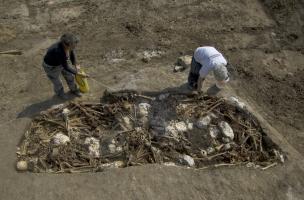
x=263 y=39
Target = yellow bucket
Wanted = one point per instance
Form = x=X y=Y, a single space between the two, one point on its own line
x=82 y=82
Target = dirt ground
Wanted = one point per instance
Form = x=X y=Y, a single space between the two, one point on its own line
x=263 y=39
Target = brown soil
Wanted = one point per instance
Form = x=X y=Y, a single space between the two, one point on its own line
x=264 y=40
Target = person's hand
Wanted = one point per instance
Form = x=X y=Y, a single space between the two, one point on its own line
x=83 y=75
x=77 y=67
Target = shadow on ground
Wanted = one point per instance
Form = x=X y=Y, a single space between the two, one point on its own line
x=34 y=109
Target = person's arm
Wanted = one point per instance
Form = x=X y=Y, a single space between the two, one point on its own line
x=73 y=58
x=204 y=71
x=67 y=67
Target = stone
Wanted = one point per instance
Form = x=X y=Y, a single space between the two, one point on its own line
x=181 y=127
x=190 y=126
x=227 y=146
x=279 y=156
x=214 y=132
x=60 y=139
x=93 y=146
x=119 y=164
x=178 y=68
x=144 y=109
x=22 y=165
x=175 y=128
x=112 y=148
x=171 y=130
x=115 y=164
x=236 y=102
x=119 y=149
x=203 y=122
x=127 y=122
x=169 y=164
x=163 y=96
x=184 y=61
x=146 y=59
x=226 y=140
x=210 y=150
x=226 y=130
x=189 y=160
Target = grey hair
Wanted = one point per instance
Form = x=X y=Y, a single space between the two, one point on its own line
x=69 y=39
x=220 y=72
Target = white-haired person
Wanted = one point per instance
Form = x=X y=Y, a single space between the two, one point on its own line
x=207 y=59
x=59 y=59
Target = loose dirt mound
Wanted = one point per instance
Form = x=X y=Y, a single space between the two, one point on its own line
x=129 y=129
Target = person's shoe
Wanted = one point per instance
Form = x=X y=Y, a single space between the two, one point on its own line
x=190 y=87
x=62 y=96
x=77 y=93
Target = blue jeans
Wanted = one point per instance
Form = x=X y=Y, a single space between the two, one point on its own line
x=53 y=73
x=194 y=73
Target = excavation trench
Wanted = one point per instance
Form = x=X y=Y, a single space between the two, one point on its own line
x=128 y=128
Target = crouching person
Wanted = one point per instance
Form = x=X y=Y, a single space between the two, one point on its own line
x=58 y=60
x=206 y=59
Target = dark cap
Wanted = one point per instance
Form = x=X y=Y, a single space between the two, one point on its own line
x=69 y=39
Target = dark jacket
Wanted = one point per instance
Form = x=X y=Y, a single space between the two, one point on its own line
x=56 y=56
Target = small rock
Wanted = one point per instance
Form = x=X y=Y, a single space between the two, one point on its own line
x=279 y=156
x=181 y=127
x=189 y=160
x=234 y=101
x=144 y=109
x=226 y=140
x=203 y=122
x=190 y=126
x=60 y=139
x=214 y=132
x=112 y=148
x=210 y=150
x=58 y=106
x=171 y=130
x=250 y=164
x=22 y=165
x=115 y=164
x=65 y=111
x=163 y=96
x=93 y=146
x=289 y=74
x=227 y=146
x=226 y=129
x=170 y=164
x=119 y=164
x=175 y=128
x=126 y=105
x=178 y=68
x=146 y=59
x=138 y=129
x=119 y=149
x=127 y=122
x=184 y=61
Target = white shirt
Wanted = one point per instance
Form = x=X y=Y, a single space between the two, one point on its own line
x=208 y=57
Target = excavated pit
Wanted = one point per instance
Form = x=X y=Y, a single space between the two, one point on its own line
x=129 y=129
